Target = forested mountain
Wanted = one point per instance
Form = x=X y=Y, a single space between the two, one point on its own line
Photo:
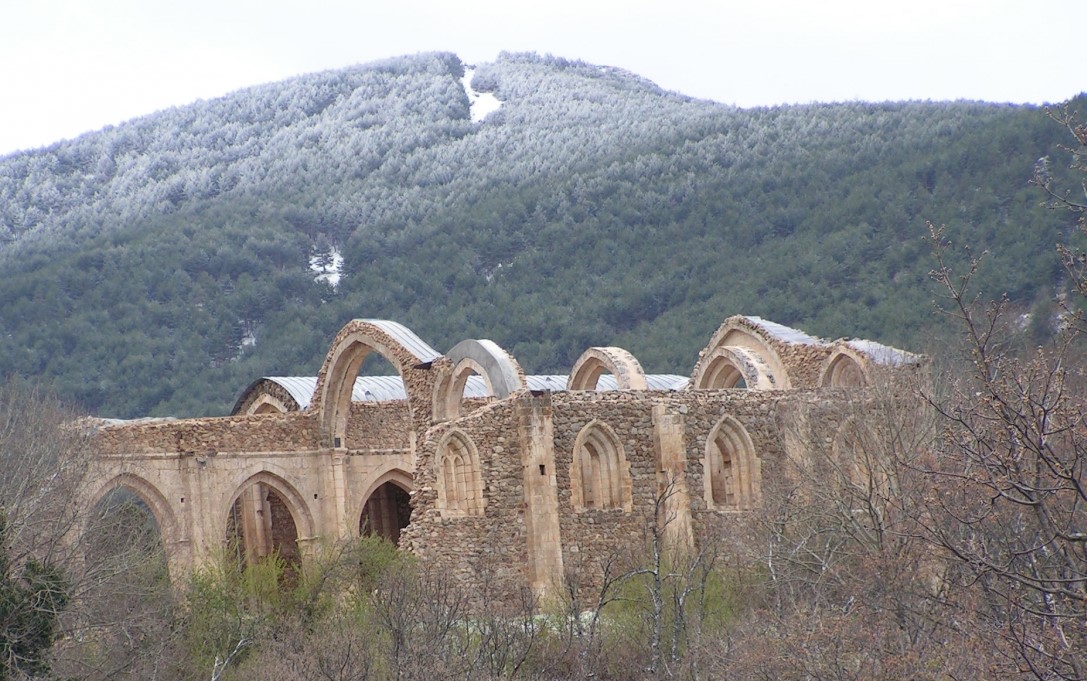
x=158 y=266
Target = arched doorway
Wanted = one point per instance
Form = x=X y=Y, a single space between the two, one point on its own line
x=386 y=513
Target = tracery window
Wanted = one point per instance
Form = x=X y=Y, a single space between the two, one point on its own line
x=460 y=479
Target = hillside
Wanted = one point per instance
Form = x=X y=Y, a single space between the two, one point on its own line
x=158 y=266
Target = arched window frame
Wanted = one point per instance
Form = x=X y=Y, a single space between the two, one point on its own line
x=599 y=472
x=730 y=439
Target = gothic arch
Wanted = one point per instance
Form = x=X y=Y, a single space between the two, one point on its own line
x=741 y=345
x=332 y=396
x=295 y=502
x=734 y=367
x=599 y=471
x=397 y=476
x=597 y=361
x=386 y=509
x=459 y=476
x=501 y=373
x=731 y=470
x=387 y=473
x=269 y=393
x=150 y=495
x=844 y=368
x=266 y=404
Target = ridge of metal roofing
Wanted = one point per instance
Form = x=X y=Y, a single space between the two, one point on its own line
x=406 y=337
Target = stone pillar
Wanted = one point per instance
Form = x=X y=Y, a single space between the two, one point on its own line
x=206 y=522
x=181 y=556
x=536 y=435
x=256 y=523
x=671 y=454
x=340 y=524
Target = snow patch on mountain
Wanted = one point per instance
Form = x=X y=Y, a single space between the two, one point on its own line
x=328 y=266
x=482 y=103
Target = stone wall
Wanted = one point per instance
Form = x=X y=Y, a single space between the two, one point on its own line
x=482 y=552
x=591 y=534
x=293 y=431
x=379 y=426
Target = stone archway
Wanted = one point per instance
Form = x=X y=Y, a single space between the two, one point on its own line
x=389 y=489
x=156 y=505
x=386 y=511
x=844 y=369
x=356 y=340
x=597 y=361
x=740 y=349
x=501 y=374
x=268 y=517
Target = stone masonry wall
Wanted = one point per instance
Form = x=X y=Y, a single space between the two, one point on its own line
x=485 y=552
x=292 y=431
x=591 y=535
x=379 y=426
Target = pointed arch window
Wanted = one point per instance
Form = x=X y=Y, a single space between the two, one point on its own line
x=732 y=471
x=599 y=472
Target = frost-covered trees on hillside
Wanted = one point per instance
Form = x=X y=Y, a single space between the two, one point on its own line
x=592 y=208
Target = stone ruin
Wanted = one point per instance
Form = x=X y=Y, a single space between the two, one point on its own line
x=501 y=480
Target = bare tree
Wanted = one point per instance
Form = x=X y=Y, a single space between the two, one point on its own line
x=1072 y=200
x=1010 y=489
x=92 y=580
x=39 y=473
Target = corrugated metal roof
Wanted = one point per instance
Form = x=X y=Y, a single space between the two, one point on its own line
x=386 y=388
x=667 y=381
x=557 y=383
x=553 y=382
x=299 y=387
x=406 y=337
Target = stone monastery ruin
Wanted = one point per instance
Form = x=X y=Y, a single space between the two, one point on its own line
x=481 y=471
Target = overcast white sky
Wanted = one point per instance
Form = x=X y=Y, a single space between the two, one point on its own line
x=69 y=66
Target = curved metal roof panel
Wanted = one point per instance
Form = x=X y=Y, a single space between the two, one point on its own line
x=299 y=387
x=406 y=337
x=784 y=333
x=667 y=381
x=378 y=389
x=552 y=382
